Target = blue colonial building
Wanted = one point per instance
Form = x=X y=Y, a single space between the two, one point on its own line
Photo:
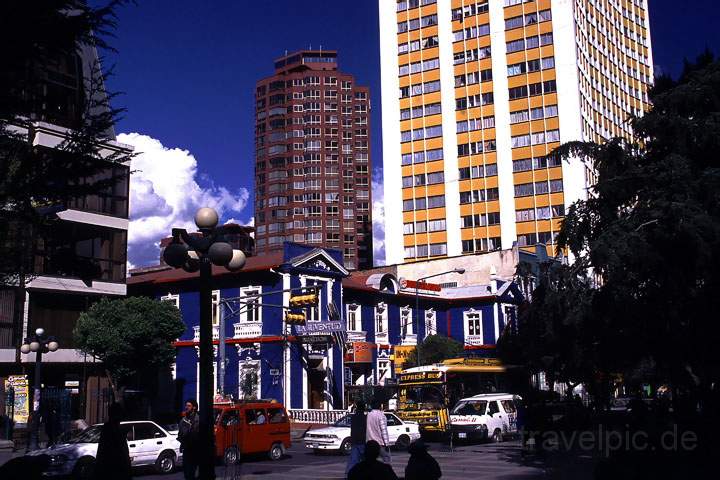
x=317 y=366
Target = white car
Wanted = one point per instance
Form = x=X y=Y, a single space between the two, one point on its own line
x=487 y=416
x=148 y=444
x=337 y=436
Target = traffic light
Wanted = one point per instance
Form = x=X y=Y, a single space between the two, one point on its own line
x=295 y=318
x=306 y=300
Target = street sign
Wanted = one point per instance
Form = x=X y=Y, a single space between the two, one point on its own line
x=318 y=328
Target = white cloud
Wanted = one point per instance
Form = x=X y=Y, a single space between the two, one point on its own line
x=378 y=218
x=165 y=193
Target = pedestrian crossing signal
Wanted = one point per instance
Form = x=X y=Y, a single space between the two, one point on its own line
x=295 y=318
x=307 y=300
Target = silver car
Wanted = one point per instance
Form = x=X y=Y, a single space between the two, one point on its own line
x=148 y=444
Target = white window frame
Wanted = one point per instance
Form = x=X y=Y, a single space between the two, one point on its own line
x=356 y=311
x=314 y=314
x=406 y=321
x=382 y=310
x=384 y=370
x=244 y=291
x=430 y=322
x=216 y=307
x=174 y=298
x=473 y=315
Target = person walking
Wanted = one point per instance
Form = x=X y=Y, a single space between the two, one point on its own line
x=112 y=461
x=188 y=436
x=358 y=431
x=371 y=468
x=421 y=465
x=377 y=430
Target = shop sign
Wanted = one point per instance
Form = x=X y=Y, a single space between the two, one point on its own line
x=359 y=352
x=20 y=385
x=401 y=353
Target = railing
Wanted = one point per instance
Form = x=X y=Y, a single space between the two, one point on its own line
x=325 y=417
x=216 y=333
x=247 y=330
x=409 y=339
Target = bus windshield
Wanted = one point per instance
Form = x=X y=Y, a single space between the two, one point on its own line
x=421 y=397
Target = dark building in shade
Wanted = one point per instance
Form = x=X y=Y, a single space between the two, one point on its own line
x=313 y=169
x=78 y=261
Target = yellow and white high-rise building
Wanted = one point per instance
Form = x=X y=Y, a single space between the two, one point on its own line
x=475 y=96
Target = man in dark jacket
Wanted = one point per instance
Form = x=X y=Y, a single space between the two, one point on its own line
x=358 y=428
x=188 y=434
x=421 y=465
x=371 y=468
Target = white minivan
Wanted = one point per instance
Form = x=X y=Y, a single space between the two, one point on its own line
x=484 y=416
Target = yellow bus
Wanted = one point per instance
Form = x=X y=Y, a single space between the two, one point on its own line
x=426 y=394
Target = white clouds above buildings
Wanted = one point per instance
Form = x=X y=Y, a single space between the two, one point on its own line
x=165 y=191
x=378 y=218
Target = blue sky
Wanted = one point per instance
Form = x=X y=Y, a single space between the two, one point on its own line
x=188 y=70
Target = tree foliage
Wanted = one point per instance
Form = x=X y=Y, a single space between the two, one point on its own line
x=642 y=292
x=129 y=335
x=434 y=349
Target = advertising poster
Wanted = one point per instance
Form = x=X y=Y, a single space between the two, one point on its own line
x=19 y=383
x=402 y=352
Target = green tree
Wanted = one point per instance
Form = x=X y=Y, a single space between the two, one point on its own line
x=129 y=336
x=434 y=349
x=640 y=294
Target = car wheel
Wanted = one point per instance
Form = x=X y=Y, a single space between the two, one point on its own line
x=84 y=469
x=231 y=456
x=165 y=463
x=345 y=447
x=497 y=436
x=403 y=442
x=276 y=451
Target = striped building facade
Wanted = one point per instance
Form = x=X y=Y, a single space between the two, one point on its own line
x=477 y=94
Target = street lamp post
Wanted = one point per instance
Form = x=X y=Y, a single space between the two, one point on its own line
x=417 y=303
x=38 y=343
x=195 y=253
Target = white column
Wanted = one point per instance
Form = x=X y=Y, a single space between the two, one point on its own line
x=392 y=171
x=449 y=126
x=506 y=190
x=286 y=346
x=568 y=87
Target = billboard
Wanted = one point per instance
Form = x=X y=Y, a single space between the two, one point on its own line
x=359 y=352
x=20 y=385
x=401 y=353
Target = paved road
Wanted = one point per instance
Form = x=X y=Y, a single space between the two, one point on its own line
x=486 y=461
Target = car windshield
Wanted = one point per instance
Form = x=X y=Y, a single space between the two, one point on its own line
x=89 y=435
x=343 y=422
x=470 y=407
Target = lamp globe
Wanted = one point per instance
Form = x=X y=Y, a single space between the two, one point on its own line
x=220 y=253
x=206 y=217
x=237 y=261
x=175 y=255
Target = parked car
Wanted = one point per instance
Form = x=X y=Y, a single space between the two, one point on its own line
x=484 y=416
x=337 y=437
x=250 y=428
x=148 y=444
